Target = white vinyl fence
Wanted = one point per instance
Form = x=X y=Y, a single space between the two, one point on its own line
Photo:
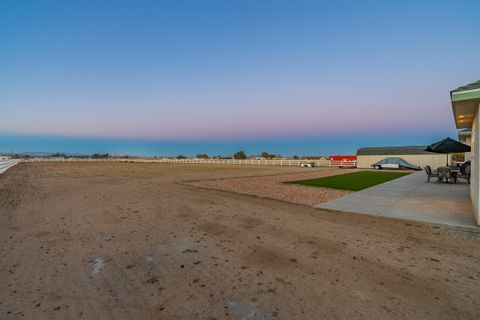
x=7 y=164
x=252 y=162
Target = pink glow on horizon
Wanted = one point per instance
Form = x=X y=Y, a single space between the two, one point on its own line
x=296 y=125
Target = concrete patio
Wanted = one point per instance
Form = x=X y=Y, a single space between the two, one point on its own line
x=412 y=198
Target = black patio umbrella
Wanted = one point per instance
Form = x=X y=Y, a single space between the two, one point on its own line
x=448 y=146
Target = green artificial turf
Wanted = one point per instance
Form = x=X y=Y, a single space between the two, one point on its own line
x=354 y=181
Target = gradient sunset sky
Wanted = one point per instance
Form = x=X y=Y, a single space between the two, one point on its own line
x=291 y=77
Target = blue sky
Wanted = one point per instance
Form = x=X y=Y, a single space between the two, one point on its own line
x=156 y=77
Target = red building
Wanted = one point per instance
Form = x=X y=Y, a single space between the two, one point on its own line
x=343 y=158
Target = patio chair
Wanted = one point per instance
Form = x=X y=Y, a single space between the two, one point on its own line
x=445 y=173
x=430 y=173
x=464 y=174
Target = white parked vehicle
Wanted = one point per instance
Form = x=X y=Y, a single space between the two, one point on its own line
x=394 y=163
x=307 y=165
x=386 y=166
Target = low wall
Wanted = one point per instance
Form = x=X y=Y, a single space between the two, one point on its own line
x=421 y=160
x=7 y=164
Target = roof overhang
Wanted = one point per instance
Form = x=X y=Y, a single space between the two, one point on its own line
x=464 y=105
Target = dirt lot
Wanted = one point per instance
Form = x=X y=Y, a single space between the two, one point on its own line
x=131 y=241
x=274 y=187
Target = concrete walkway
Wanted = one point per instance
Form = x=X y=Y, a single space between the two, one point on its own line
x=411 y=198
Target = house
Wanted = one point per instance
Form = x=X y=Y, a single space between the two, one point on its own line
x=414 y=154
x=466 y=105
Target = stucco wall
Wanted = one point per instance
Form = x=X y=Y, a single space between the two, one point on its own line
x=475 y=173
x=468 y=140
x=422 y=160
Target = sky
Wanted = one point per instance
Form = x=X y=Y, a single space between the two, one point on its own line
x=288 y=77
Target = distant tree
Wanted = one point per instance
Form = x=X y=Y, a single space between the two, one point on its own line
x=100 y=155
x=202 y=156
x=295 y=157
x=267 y=155
x=240 y=155
x=181 y=157
x=58 y=155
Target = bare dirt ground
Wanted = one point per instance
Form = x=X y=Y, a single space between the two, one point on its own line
x=132 y=241
x=274 y=187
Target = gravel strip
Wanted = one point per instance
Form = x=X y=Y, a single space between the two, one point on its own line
x=274 y=187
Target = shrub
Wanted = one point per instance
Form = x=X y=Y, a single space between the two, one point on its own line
x=240 y=155
x=267 y=155
x=202 y=156
x=100 y=156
